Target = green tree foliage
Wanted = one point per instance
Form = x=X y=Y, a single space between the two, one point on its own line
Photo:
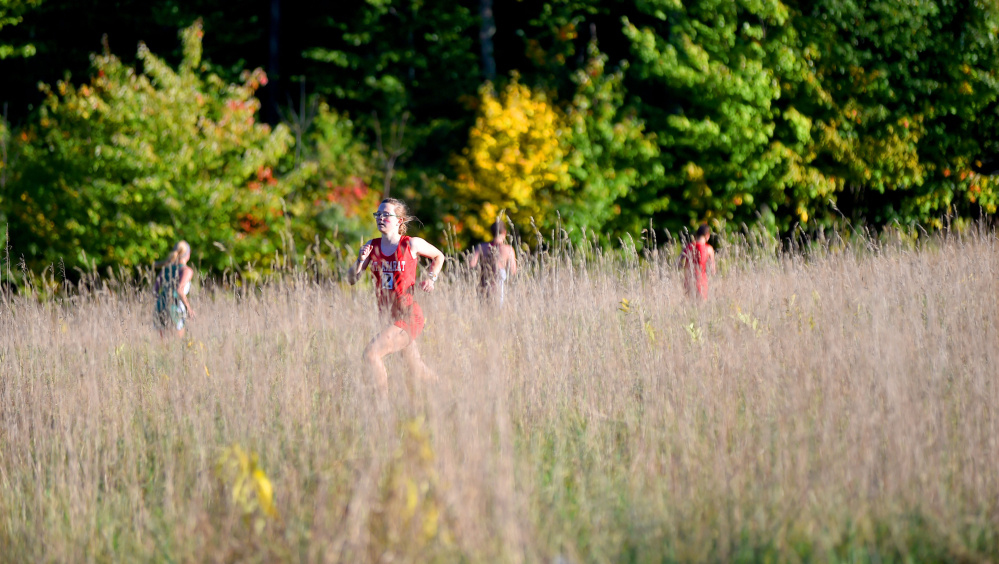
x=795 y=112
x=711 y=94
x=409 y=71
x=531 y=156
x=11 y=14
x=794 y=186
x=118 y=169
x=330 y=197
x=787 y=109
x=610 y=155
x=911 y=102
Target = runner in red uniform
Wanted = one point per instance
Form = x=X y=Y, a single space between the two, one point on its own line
x=394 y=258
x=696 y=259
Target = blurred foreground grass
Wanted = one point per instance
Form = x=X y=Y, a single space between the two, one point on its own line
x=838 y=404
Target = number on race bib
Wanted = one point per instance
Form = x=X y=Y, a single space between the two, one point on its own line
x=388 y=280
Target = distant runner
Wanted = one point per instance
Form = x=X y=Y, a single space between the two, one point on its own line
x=173 y=283
x=499 y=262
x=696 y=259
x=393 y=259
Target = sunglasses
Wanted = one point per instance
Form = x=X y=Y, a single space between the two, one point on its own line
x=380 y=215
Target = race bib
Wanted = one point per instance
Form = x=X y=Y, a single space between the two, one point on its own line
x=388 y=280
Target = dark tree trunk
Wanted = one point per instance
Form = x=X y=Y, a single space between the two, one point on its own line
x=486 y=34
x=271 y=114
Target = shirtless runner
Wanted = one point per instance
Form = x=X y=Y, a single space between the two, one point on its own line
x=498 y=263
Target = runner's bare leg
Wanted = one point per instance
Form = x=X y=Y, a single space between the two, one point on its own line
x=389 y=340
x=412 y=355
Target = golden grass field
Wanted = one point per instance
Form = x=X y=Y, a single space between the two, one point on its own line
x=839 y=403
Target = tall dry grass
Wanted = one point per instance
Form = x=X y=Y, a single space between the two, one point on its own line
x=836 y=403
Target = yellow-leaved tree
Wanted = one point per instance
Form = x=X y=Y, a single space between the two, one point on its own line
x=513 y=160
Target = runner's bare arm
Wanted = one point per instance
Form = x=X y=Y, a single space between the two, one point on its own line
x=421 y=248
x=711 y=260
x=511 y=260
x=685 y=260
x=186 y=277
x=473 y=260
x=363 y=259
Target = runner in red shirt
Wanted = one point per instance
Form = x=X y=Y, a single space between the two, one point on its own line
x=696 y=259
x=394 y=258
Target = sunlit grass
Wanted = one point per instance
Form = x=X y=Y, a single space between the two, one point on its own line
x=835 y=403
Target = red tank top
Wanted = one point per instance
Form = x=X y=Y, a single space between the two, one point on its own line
x=696 y=257
x=395 y=275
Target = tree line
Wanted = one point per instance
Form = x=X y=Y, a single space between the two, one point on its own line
x=267 y=132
